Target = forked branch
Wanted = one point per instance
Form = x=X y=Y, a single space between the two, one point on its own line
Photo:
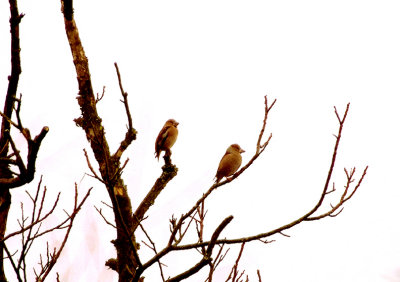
x=259 y=150
x=309 y=215
x=29 y=233
x=174 y=244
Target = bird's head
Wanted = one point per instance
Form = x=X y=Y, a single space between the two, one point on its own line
x=172 y=122
x=236 y=148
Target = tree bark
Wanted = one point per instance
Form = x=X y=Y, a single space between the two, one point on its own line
x=5 y=172
x=110 y=166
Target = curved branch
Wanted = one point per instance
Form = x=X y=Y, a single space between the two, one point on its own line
x=26 y=175
x=307 y=216
x=207 y=257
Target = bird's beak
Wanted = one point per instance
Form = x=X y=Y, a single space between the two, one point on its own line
x=176 y=123
x=242 y=151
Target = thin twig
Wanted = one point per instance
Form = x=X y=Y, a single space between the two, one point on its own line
x=234 y=270
x=153 y=247
x=105 y=219
x=259 y=275
x=207 y=257
x=91 y=168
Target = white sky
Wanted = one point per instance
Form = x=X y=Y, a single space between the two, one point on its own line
x=208 y=64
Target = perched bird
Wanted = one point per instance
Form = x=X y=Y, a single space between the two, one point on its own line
x=230 y=162
x=167 y=137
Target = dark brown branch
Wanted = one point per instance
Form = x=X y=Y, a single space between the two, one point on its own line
x=67 y=9
x=207 y=257
x=18 y=159
x=18 y=110
x=109 y=165
x=26 y=175
x=259 y=275
x=13 y=79
x=123 y=226
x=167 y=174
x=5 y=171
x=9 y=255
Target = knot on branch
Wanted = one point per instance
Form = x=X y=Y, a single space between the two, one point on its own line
x=112 y=263
x=15 y=21
x=170 y=169
x=79 y=121
x=132 y=133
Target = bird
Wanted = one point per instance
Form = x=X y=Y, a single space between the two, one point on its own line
x=230 y=162
x=166 y=138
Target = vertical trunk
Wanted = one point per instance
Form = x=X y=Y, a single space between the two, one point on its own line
x=5 y=196
x=109 y=166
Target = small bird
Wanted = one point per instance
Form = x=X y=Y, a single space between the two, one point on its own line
x=167 y=137
x=230 y=162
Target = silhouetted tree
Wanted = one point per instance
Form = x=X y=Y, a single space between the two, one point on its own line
x=128 y=264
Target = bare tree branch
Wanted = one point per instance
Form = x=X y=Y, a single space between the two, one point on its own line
x=105 y=219
x=9 y=179
x=207 y=257
x=53 y=257
x=259 y=275
x=308 y=215
x=153 y=247
x=27 y=172
x=259 y=149
x=343 y=198
x=131 y=132
x=169 y=172
x=9 y=256
x=234 y=270
x=32 y=232
x=109 y=165
x=215 y=263
x=128 y=263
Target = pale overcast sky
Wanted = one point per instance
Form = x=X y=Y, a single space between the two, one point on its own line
x=208 y=64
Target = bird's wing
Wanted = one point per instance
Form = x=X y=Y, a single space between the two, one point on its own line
x=162 y=136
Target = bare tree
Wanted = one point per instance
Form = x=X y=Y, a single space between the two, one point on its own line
x=10 y=160
x=129 y=265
